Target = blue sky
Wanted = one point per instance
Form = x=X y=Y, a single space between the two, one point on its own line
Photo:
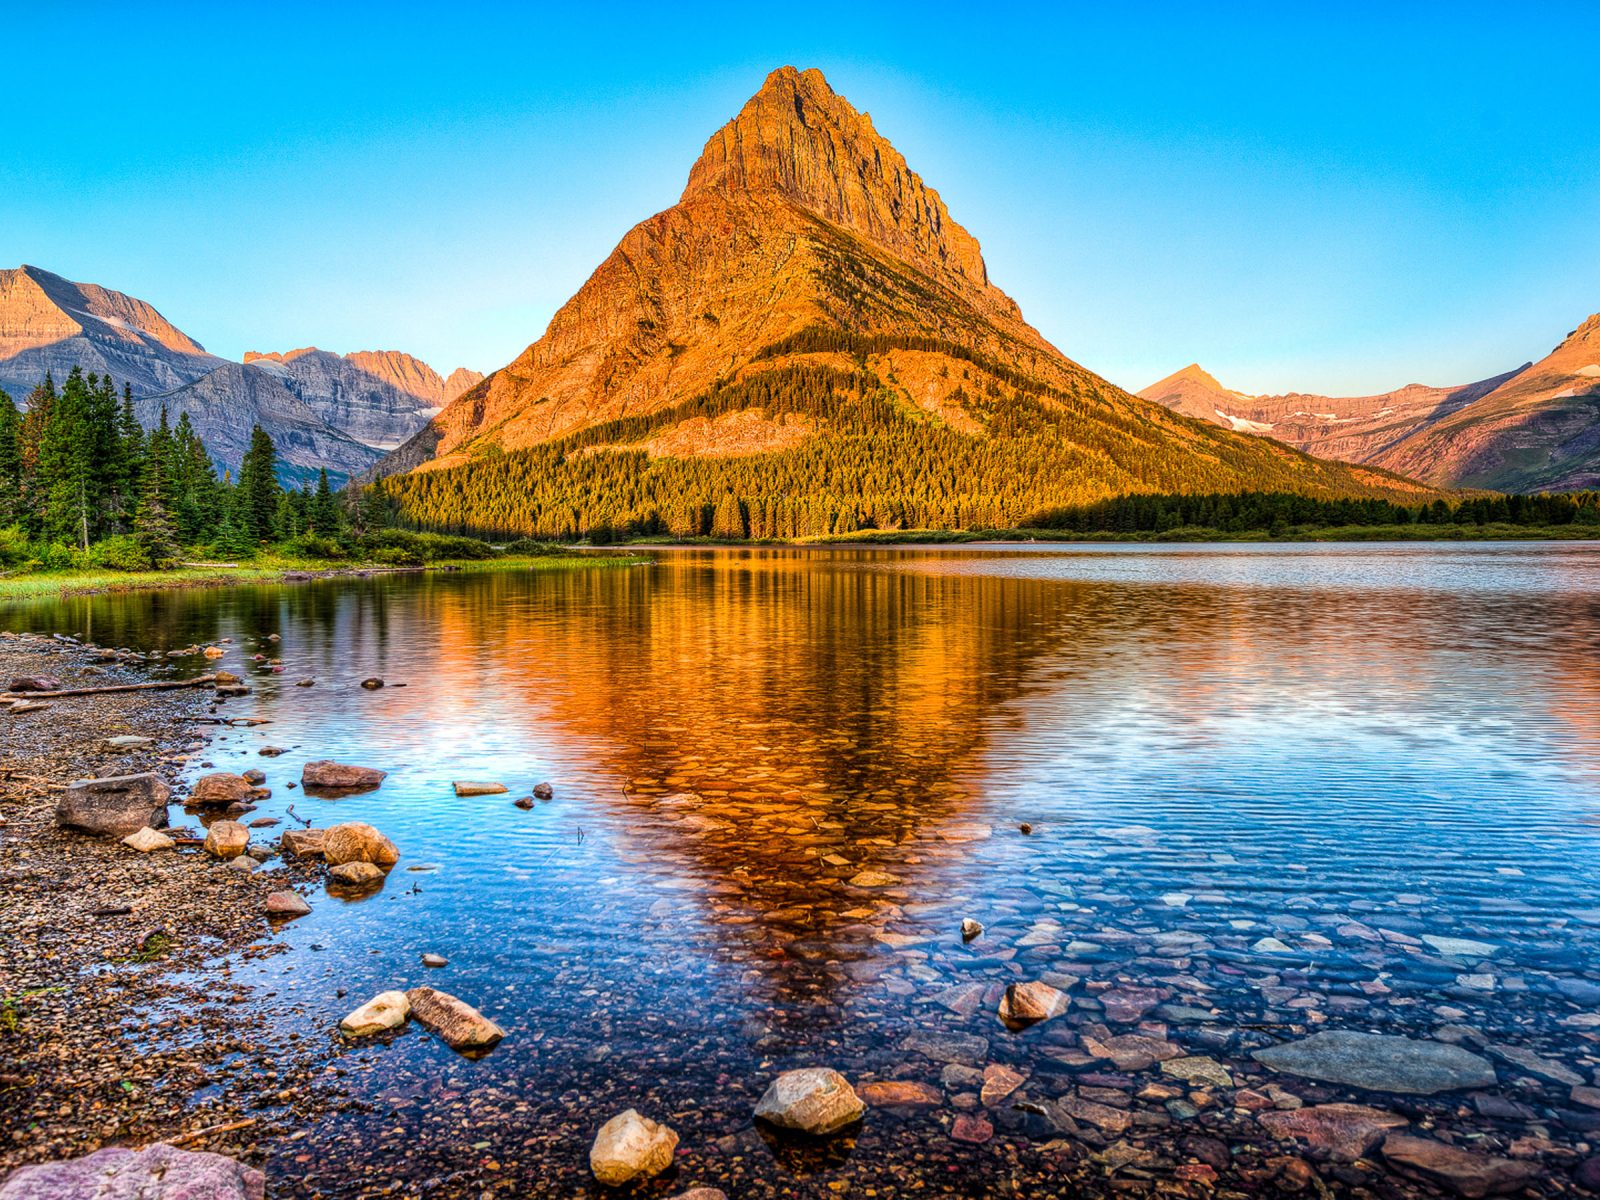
x=1327 y=198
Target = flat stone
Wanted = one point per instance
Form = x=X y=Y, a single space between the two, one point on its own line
x=949 y=1047
x=219 y=789
x=118 y=1173
x=999 y=1081
x=329 y=776
x=435 y=960
x=1462 y=1171
x=227 y=839
x=115 y=806
x=302 y=843
x=129 y=741
x=466 y=788
x=1536 y=1064
x=1380 y=1062
x=1344 y=1132
x=1198 y=1069
x=147 y=839
x=900 y=1093
x=814 y=1100
x=386 y=1010
x=457 y=1023
x=972 y=1128
x=1460 y=947
x=1102 y=1116
x=1127 y=1004
x=873 y=879
x=630 y=1147
x=1131 y=1051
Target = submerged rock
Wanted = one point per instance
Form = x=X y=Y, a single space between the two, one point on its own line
x=814 y=1100
x=118 y=1173
x=227 y=839
x=630 y=1147
x=970 y=929
x=386 y=1010
x=356 y=841
x=901 y=1093
x=1344 y=1132
x=356 y=874
x=1381 y=1062
x=145 y=840
x=340 y=777
x=1031 y=1002
x=1462 y=1171
x=116 y=806
x=457 y=1023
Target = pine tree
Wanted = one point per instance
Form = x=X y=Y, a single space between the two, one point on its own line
x=258 y=486
x=153 y=524
x=67 y=480
x=323 y=513
x=10 y=461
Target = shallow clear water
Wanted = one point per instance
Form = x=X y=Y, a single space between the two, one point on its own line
x=1343 y=749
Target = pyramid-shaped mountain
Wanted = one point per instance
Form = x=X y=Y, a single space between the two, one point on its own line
x=808 y=341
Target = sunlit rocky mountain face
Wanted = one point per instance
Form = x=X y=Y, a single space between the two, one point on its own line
x=1533 y=428
x=323 y=411
x=805 y=251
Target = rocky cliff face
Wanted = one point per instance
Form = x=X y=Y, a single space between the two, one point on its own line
x=225 y=404
x=50 y=325
x=1533 y=428
x=804 y=241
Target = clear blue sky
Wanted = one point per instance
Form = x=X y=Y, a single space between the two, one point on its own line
x=1337 y=200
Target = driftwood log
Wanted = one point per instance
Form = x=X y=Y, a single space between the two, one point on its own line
x=160 y=685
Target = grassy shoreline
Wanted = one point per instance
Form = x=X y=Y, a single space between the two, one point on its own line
x=268 y=569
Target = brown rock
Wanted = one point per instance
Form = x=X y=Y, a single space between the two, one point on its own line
x=466 y=788
x=1462 y=1171
x=1029 y=1003
x=900 y=1093
x=220 y=789
x=630 y=1147
x=356 y=841
x=999 y=1081
x=1127 y=1004
x=356 y=874
x=457 y=1023
x=326 y=775
x=227 y=839
x=1344 y=1132
x=35 y=683
x=287 y=904
x=302 y=843
x=116 y=806
x=973 y=1128
x=814 y=1100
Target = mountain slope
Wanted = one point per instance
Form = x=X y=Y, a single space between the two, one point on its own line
x=1360 y=429
x=225 y=404
x=807 y=328
x=378 y=397
x=1537 y=430
x=50 y=325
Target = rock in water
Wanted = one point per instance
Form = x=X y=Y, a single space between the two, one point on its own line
x=1463 y=1172
x=461 y=1026
x=116 y=806
x=340 y=777
x=465 y=788
x=118 y=1173
x=372 y=684
x=287 y=904
x=970 y=929
x=814 y=1100
x=147 y=839
x=386 y=1010
x=227 y=839
x=356 y=874
x=630 y=1147
x=1381 y=1062
x=544 y=791
x=1029 y=1003
x=302 y=843
x=1345 y=1131
x=220 y=789
x=356 y=841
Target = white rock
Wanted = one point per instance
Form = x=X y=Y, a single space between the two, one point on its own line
x=386 y=1010
x=630 y=1147
x=815 y=1100
x=147 y=839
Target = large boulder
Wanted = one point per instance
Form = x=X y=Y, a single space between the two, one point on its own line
x=118 y=1173
x=227 y=839
x=630 y=1147
x=386 y=1010
x=220 y=789
x=328 y=776
x=356 y=841
x=115 y=806
x=457 y=1023
x=302 y=843
x=814 y=1100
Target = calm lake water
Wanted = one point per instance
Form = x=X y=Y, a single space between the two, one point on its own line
x=1257 y=779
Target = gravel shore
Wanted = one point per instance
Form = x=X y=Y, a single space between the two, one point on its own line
x=118 y=1019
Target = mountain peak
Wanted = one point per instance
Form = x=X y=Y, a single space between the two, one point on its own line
x=799 y=138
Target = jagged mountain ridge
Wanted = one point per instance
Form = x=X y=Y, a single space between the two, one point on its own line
x=49 y=324
x=1533 y=428
x=803 y=242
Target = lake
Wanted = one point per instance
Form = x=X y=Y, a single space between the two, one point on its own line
x=1223 y=797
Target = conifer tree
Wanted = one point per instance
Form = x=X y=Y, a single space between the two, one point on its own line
x=153 y=524
x=323 y=514
x=10 y=461
x=258 y=486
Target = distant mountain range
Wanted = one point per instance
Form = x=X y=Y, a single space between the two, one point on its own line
x=808 y=341
x=322 y=410
x=1533 y=428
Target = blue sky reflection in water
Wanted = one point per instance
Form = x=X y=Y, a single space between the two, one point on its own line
x=1259 y=779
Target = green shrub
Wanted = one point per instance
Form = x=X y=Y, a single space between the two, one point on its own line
x=531 y=548
x=409 y=547
x=311 y=545
x=123 y=552
x=15 y=549
x=57 y=556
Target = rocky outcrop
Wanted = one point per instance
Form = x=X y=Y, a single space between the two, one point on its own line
x=629 y=1147
x=116 y=806
x=50 y=324
x=118 y=1173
